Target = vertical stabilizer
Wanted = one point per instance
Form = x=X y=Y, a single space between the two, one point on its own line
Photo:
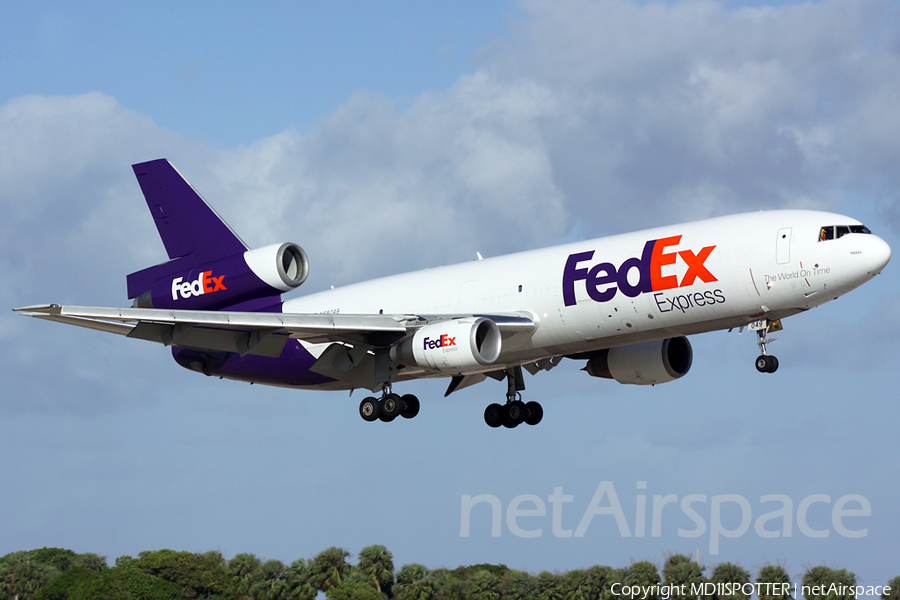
x=190 y=229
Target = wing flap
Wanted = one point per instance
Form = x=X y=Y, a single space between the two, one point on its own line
x=257 y=333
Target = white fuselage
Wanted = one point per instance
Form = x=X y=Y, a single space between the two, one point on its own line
x=702 y=276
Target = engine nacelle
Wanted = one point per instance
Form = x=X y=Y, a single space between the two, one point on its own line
x=453 y=346
x=260 y=273
x=647 y=363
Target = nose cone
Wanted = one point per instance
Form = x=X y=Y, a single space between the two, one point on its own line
x=878 y=254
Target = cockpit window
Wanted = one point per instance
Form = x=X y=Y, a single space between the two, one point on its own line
x=828 y=232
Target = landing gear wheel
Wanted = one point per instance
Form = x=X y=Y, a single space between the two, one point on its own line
x=493 y=415
x=766 y=363
x=412 y=406
x=514 y=413
x=369 y=409
x=391 y=406
x=534 y=413
x=762 y=363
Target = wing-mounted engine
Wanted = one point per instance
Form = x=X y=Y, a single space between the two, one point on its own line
x=452 y=346
x=260 y=273
x=647 y=363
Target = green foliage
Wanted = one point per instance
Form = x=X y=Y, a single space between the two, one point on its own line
x=58 y=558
x=448 y=586
x=196 y=575
x=641 y=573
x=548 y=587
x=299 y=582
x=60 y=574
x=484 y=585
x=414 y=582
x=680 y=570
x=354 y=590
x=730 y=573
x=602 y=579
x=469 y=572
x=823 y=578
x=773 y=574
x=377 y=563
x=518 y=585
x=894 y=594
x=592 y=584
x=21 y=576
x=81 y=583
x=330 y=568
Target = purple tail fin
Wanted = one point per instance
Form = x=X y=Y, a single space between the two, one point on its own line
x=190 y=229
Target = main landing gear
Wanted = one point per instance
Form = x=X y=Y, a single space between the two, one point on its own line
x=389 y=407
x=514 y=412
x=765 y=362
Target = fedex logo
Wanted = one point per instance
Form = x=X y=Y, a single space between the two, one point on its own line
x=204 y=284
x=604 y=279
x=442 y=342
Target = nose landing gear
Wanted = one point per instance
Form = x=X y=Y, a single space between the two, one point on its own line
x=765 y=362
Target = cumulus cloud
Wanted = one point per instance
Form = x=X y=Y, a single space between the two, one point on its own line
x=692 y=109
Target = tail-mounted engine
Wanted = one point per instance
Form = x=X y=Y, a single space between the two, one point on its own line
x=647 y=363
x=453 y=346
x=259 y=273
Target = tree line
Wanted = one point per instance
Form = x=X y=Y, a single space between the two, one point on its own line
x=60 y=574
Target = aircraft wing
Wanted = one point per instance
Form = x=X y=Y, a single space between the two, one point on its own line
x=256 y=333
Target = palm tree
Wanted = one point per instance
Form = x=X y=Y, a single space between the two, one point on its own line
x=680 y=570
x=641 y=573
x=299 y=583
x=894 y=584
x=378 y=565
x=728 y=573
x=414 y=582
x=773 y=574
x=823 y=578
x=269 y=581
x=484 y=586
x=20 y=576
x=329 y=568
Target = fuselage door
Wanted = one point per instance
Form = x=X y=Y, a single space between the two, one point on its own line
x=783 y=246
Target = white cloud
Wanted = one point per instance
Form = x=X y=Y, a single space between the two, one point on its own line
x=769 y=107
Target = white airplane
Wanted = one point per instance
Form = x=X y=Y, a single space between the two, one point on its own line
x=623 y=304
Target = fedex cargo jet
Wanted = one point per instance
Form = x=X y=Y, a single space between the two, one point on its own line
x=624 y=304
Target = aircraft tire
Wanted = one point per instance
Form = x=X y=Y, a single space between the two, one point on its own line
x=391 y=407
x=369 y=409
x=412 y=406
x=773 y=364
x=534 y=413
x=493 y=415
x=762 y=363
x=514 y=413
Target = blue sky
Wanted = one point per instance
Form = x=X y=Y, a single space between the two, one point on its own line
x=361 y=132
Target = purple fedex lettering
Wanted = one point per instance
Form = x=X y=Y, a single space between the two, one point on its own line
x=442 y=342
x=603 y=280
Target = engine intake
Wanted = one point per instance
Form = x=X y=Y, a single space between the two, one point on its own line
x=260 y=273
x=454 y=346
x=647 y=363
